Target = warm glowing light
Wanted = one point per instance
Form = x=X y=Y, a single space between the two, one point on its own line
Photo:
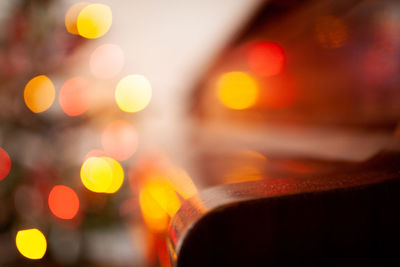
x=331 y=32
x=94 y=21
x=63 y=202
x=107 y=61
x=247 y=165
x=133 y=93
x=5 y=163
x=237 y=90
x=96 y=174
x=119 y=140
x=117 y=175
x=102 y=174
x=158 y=202
x=266 y=58
x=74 y=96
x=31 y=243
x=71 y=17
x=39 y=94
x=182 y=183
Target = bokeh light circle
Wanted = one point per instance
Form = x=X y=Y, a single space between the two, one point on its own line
x=237 y=90
x=5 y=163
x=71 y=17
x=117 y=175
x=119 y=140
x=265 y=58
x=106 y=61
x=31 y=243
x=75 y=96
x=94 y=21
x=96 y=174
x=39 y=94
x=133 y=93
x=63 y=202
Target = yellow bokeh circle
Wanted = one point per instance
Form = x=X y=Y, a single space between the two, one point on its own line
x=133 y=93
x=71 y=17
x=237 y=90
x=39 y=94
x=94 y=21
x=31 y=243
x=102 y=175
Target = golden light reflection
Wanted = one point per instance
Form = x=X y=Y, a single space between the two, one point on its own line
x=247 y=166
x=31 y=243
x=63 y=202
x=331 y=32
x=106 y=61
x=94 y=21
x=71 y=17
x=5 y=163
x=158 y=202
x=75 y=96
x=96 y=174
x=133 y=93
x=120 y=140
x=237 y=90
x=39 y=94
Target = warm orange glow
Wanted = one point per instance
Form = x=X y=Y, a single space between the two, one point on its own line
x=182 y=183
x=237 y=90
x=39 y=94
x=331 y=32
x=133 y=93
x=94 y=21
x=31 y=243
x=119 y=140
x=74 y=96
x=71 y=17
x=5 y=163
x=63 y=202
x=266 y=58
x=106 y=61
x=158 y=203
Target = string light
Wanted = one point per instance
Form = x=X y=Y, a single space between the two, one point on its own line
x=133 y=93
x=31 y=243
x=237 y=90
x=39 y=94
x=94 y=21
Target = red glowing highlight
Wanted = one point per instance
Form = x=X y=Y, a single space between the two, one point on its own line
x=265 y=58
x=5 y=163
x=63 y=202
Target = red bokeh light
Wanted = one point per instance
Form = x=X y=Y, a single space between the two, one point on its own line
x=265 y=58
x=63 y=202
x=75 y=96
x=119 y=140
x=5 y=163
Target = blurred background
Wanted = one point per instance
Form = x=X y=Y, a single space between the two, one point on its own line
x=113 y=113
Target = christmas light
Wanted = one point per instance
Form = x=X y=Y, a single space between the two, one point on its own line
x=63 y=202
x=31 y=243
x=237 y=90
x=94 y=21
x=106 y=61
x=133 y=93
x=39 y=94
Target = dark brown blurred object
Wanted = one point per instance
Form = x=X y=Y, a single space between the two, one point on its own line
x=345 y=219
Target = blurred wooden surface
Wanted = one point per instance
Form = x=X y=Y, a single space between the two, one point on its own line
x=348 y=218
